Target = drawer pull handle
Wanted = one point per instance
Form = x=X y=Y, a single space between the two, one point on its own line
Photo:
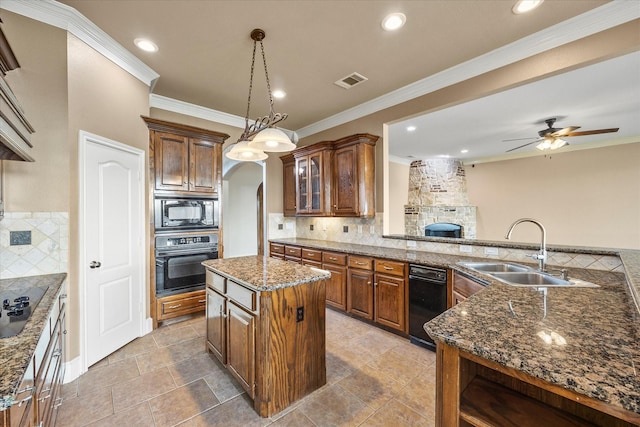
x=175 y=306
x=369 y=283
x=388 y=268
x=360 y=263
x=332 y=258
x=202 y=301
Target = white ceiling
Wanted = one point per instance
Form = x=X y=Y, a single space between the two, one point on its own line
x=604 y=95
x=205 y=53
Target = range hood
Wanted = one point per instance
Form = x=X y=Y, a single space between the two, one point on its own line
x=15 y=130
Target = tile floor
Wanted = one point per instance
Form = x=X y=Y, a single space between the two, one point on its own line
x=167 y=378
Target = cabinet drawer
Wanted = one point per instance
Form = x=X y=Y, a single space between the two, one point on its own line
x=276 y=248
x=465 y=286
x=312 y=255
x=188 y=304
x=293 y=251
x=362 y=263
x=217 y=282
x=390 y=267
x=241 y=295
x=334 y=258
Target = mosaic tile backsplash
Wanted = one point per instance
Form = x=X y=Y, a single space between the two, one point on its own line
x=46 y=251
x=369 y=232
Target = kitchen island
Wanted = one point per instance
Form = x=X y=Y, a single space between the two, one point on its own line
x=266 y=324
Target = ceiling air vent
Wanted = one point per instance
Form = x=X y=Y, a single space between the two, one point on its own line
x=351 y=80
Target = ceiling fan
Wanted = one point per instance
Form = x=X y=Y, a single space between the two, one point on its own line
x=551 y=138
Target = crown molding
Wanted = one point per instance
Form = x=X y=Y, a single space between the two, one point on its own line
x=67 y=18
x=594 y=21
x=193 y=110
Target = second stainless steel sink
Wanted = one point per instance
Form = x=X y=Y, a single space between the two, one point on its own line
x=503 y=267
x=521 y=275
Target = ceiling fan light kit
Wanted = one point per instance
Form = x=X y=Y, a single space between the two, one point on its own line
x=265 y=136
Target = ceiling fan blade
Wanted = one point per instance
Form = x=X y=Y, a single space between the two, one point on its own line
x=528 y=143
x=518 y=139
x=592 y=132
x=565 y=131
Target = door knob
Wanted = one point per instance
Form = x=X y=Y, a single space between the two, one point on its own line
x=94 y=264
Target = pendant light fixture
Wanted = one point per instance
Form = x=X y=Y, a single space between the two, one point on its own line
x=265 y=136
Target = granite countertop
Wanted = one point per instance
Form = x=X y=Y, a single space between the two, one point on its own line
x=587 y=340
x=264 y=273
x=16 y=351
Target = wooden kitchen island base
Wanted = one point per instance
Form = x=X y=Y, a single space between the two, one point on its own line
x=266 y=324
x=472 y=391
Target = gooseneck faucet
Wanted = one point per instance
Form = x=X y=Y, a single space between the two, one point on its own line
x=542 y=256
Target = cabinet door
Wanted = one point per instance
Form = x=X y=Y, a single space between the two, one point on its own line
x=316 y=183
x=302 y=180
x=171 y=162
x=289 y=188
x=345 y=194
x=360 y=293
x=203 y=167
x=216 y=324
x=336 y=286
x=241 y=346
x=389 y=301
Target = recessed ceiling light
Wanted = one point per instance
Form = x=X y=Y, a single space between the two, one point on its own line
x=393 y=21
x=279 y=94
x=146 y=45
x=411 y=128
x=464 y=151
x=524 y=6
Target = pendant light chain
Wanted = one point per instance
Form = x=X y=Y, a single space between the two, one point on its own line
x=266 y=73
x=253 y=62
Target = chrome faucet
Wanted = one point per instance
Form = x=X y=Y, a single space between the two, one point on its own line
x=542 y=255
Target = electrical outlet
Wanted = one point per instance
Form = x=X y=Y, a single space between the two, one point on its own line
x=467 y=249
x=411 y=243
x=280 y=226
x=491 y=251
x=299 y=314
x=345 y=228
x=359 y=228
x=310 y=227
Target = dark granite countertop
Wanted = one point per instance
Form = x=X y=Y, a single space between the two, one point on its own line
x=264 y=273
x=587 y=340
x=16 y=351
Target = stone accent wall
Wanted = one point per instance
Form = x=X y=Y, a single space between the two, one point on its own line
x=439 y=182
x=417 y=217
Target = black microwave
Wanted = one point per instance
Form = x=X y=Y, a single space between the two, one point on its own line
x=173 y=214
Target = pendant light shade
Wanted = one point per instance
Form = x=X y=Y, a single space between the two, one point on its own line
x=272 y=139
x=242 y=152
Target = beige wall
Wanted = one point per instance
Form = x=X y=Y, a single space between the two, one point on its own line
x=40 y=84
x=583 y=198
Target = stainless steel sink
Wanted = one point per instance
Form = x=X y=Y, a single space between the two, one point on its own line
x=521 y=275
x=502 y=267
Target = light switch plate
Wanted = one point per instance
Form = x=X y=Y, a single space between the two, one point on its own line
x=491 y=251
x=467 y=249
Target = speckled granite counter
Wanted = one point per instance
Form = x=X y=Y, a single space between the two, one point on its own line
x=594 y=346
x=264 y=273
x=16 y=352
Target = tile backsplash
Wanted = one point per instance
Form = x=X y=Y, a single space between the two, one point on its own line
x=45 y=252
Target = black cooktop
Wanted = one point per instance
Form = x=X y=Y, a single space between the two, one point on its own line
x=16 y=307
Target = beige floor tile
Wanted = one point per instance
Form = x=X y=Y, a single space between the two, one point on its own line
x=237 y=412
x=69 y=390
x=415 y=352
x=146 y=386
x=371 y=386
x=337 y=368
x=173 y=335
x=223 y=385
x=194 y=368
x=294 y=418
x=420 y=395
x=335 y=406
x=138 y=416
x=182 y=403
x=396 y=414
x=86 y=409
x=170 y=355
x=396 y=366
x=107 y=375
x=138 y=346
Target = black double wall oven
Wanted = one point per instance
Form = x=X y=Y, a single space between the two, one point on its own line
x=186 y=234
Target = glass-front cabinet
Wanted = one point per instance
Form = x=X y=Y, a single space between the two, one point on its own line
x=310 y=184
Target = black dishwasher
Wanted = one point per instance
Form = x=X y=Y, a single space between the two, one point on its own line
x=427 y=299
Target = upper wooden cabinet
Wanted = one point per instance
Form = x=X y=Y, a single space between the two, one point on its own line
x=185 y=158
x=331 y=178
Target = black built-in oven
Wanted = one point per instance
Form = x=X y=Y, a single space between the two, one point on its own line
x=186 y=214
x=179 y=260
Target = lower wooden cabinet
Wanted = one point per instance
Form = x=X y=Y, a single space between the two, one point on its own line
x=389 y=301
x=216 y=324
x=241 y=344
x=180 y=304
x=463 y=287
x=336 y=286
x=38 y=397
x=360 y=293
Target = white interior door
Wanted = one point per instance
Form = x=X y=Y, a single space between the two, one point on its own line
x=112 y=253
